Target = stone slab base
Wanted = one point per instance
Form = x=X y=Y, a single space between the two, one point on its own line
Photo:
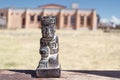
x=65 y=75
x=48 y=73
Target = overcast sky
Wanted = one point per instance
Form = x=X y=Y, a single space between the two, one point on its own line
x=107 y=9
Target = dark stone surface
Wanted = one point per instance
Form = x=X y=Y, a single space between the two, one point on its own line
x=65 y=75
x=49 y=47
x=48 y=73
x=9 y=75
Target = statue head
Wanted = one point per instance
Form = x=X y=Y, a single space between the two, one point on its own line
x=47 y=20
x=48 y=26
x=44 y=51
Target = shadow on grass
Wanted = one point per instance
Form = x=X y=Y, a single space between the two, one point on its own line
x=106 y=73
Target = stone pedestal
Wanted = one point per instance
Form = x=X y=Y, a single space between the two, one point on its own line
x=66 y=75
x=48 y=73
x=49 y=46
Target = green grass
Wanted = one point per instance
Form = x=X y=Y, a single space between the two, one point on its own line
x=79 y=49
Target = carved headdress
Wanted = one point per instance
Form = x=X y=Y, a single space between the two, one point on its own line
x=48 y=21
x=48 y=26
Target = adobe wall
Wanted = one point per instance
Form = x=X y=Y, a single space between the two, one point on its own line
x=15 y=18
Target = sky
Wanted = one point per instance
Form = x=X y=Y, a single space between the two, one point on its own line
x=109 y=10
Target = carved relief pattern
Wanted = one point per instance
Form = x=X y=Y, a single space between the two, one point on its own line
x=49 y=45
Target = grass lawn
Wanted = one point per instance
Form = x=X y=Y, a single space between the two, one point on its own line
x=79 y=49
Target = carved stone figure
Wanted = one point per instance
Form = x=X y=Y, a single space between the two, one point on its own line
x=49 y=46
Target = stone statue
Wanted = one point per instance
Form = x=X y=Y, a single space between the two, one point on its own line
x=49 y=46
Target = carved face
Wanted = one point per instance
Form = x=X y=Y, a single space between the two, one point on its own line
x=48 y=26
x=48 y=32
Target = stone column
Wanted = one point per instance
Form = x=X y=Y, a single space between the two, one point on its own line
x=27 y=18
x=9 y=19
x=94 y=20
x=44 y=13
x=80 y=21
x=85 y=21
x=61 y=20
x=68 y=21
x=77 y=20
x=35 y=20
